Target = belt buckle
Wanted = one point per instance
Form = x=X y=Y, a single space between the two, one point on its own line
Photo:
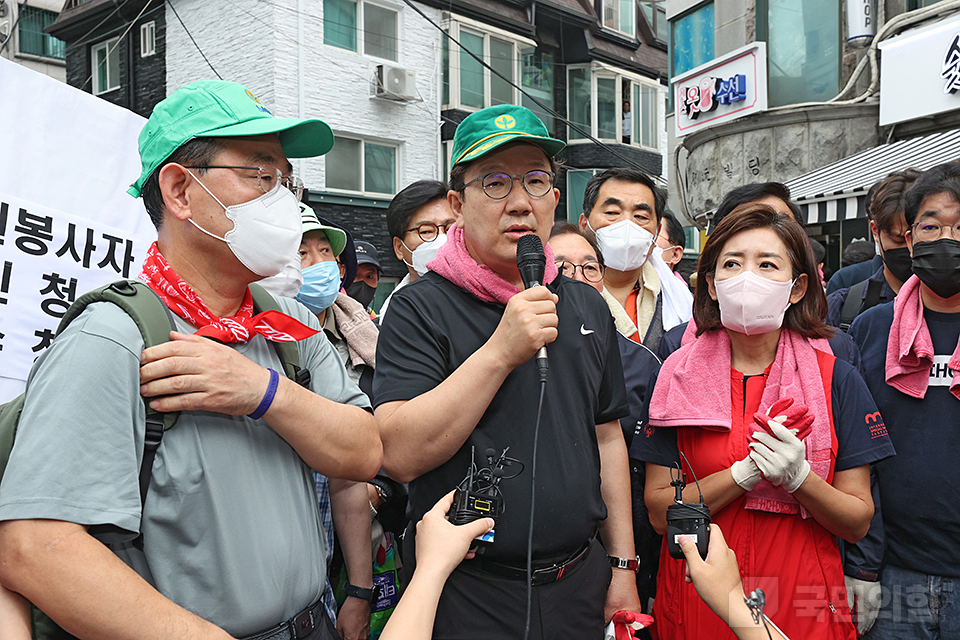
x=302 y=624
x=547 y=574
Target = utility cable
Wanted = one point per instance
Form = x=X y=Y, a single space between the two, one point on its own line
x=119 y=40
x=190 y=35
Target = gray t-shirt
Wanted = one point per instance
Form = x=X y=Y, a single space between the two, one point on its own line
x=231 y=527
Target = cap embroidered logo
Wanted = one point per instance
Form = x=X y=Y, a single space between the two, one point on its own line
x=505 y=122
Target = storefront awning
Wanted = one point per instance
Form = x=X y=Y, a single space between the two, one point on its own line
x=838 y=191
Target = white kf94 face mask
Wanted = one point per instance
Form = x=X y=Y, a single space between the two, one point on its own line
x=625 y=245
x=425 y=253
x=752 y=304
x=266 y=231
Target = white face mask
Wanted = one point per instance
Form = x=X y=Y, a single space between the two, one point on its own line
x=266 y=231
x=624 y=245
x=752 y=304
x=287 y=283
x=425 y=253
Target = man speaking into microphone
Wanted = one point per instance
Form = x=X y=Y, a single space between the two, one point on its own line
x=457 y=372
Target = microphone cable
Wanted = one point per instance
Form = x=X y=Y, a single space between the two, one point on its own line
x=533 y=493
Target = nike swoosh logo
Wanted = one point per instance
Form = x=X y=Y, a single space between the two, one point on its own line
x=585 y=331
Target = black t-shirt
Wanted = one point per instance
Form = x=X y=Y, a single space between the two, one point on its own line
x=918 y=487
x=434 y=327
x=859 y=440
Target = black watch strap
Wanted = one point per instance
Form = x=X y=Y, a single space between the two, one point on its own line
x=363 y=594
x=625 y=563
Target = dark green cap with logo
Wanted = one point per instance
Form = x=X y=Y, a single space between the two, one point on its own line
x=219 y=109
x=483 y=131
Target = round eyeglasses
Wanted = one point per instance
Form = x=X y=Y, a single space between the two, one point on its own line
x=428 y=231
x=592 y=271
x=498 y=186
x=265 y=178
x=930 y=231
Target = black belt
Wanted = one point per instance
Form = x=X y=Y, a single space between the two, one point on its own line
x=543 y=575
x=299 y=626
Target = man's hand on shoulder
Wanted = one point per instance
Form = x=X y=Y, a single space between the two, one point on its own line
x=528 y=323
x=192 y=373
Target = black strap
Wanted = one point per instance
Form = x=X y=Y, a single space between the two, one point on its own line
x=851 y=306
x=874 y=286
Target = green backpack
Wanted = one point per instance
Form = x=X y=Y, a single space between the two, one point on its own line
x=155 y=321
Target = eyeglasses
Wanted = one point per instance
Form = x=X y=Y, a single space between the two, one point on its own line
x=592 y=271
x=266 y=177
x=428 y=231
x=499 y=185
x=930 y=231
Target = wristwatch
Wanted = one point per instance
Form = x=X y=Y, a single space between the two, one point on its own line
x=624 y=563
x=363 y=594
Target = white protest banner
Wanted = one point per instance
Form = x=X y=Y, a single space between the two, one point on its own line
x=67 y=224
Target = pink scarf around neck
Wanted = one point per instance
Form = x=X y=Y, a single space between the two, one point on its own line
x=455 y=263
x=910 y=348
x=693 y=390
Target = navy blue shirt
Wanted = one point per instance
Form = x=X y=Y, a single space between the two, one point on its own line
x=918 y=487
x=854 y=273
x=836 y=300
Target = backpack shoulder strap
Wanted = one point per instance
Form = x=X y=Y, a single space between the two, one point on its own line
x=288 y=352
x=851 y=306
x=872 y=299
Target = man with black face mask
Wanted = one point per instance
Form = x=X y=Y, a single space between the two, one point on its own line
x=888 y=227
x=911 y=363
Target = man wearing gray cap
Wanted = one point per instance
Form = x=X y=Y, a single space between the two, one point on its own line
x=231 y=540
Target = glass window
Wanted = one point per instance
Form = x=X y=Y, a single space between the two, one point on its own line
x=618 y=15
x=361 y=166
x=803 y=51
x=692 y=40
x=340 y=24
x=656 y=15
x=33 y=40
x=148 y=39
x=646 y=116
x=379 y=168
x=471 y=71
x=537 y=75
x=501 y=59
x=577 y=180
x=445 y=63
x=578 y=101
x=607 y=111
x=106 y=66
x=343 y=165
x=379 y=32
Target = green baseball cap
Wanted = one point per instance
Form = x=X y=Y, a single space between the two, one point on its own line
x=487 y=129
x=218 y=109
x=336 y=237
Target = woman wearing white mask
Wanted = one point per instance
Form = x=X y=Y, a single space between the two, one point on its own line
x=775 y=427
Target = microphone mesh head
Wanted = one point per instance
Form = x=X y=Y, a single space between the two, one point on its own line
x=531 y=244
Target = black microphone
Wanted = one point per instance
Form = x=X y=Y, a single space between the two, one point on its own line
x=532 y=264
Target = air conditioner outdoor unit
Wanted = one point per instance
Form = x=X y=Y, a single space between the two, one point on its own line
x=395 y=83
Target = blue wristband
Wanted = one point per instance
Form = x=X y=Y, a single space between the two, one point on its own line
x=268 y=396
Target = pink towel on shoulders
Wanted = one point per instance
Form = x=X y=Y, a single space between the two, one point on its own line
x=455 y=263
x=693 y=390
x=910 y=348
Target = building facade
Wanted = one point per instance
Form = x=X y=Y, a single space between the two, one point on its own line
x=23 y=40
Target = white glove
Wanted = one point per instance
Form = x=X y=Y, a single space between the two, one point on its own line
x=782 y=459
x=746 y=473
x=866 y=595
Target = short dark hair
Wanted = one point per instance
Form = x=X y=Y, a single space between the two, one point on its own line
x=194 y=152
x=460 y=170
x=805 y=317
x=411 y=198
x=751 y=193
x=857 y=252
x=674 y=230
x=564 y=228
x=819 y=251
x=592 y=191
x=943 y=178
x=888 y=197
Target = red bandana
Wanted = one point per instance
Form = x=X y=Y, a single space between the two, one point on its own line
x=184 y=301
